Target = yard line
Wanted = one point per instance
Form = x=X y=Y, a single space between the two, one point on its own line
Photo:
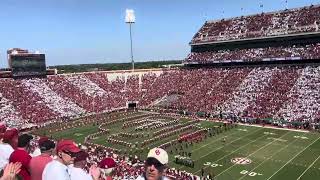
x=269 y=158
x=221 y=146
x=308 y=168
x=234 y=150
x=214 y=141
x=272 y=127
x=253 y=153
x=293 y=158
x=230 y=143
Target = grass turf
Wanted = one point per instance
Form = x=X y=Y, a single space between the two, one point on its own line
x=270 y=153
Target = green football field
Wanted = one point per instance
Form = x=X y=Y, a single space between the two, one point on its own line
x=247 y=152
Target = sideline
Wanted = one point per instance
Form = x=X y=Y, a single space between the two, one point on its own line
x=257 y=150
x=255 y=125
x=271 y=127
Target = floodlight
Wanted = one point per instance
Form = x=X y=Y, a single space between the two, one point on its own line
x=130 y=17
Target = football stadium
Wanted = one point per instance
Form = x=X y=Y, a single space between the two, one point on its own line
x=244 y=104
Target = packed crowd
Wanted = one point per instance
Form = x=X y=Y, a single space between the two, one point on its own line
x=77 y=88
x=30 y=105
x=289 y=21
x=310 y=51
x=30 y=157
x=9 y=115
x=303 y=98
x=52 y=99
x=255 y=92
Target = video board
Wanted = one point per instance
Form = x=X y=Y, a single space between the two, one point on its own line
x=28 y=64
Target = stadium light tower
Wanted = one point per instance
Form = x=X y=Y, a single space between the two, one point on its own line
x=130 y=19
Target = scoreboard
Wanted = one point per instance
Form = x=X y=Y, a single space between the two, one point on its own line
x=27 y=64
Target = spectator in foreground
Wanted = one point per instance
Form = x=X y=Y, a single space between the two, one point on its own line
x=21 y=154
x=155 y=165
x=77 y=171
x=11 y=137
x=107 y=166
x=10 y=171
x=58 y=168
x=5 y=151
x=38 y=163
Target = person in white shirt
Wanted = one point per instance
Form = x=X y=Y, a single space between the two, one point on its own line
x=77 y=171
x=5 y=151
x=155 y=165
x=36 y=152
x=58 y=168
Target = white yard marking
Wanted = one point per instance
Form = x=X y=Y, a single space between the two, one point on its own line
x=232 y=151
x=269 y=133
x=293 y=158
x=300 y=137
x=277 y=139
x=253 y=153
x=270 y=157
x=78 y=134
x=213 y=141
x=308 y=168
x=221 y=147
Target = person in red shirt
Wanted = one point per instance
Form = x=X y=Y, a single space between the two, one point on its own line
x=21 y=155
x=38 y=163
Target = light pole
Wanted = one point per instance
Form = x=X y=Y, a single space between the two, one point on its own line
x=130 y=19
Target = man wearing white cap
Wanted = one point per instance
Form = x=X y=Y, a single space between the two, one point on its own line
x=155 y=165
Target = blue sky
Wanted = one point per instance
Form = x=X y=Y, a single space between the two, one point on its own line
x=94 y=31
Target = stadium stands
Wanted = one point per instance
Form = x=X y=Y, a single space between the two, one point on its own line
x=273 y=95
x=30 y=105
x=256 y=92
x=310 y=51
x=303 y=102
x=9 y=114
x=290 y=21
x=277 y=91
x=289 y=93
x=53 y=100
